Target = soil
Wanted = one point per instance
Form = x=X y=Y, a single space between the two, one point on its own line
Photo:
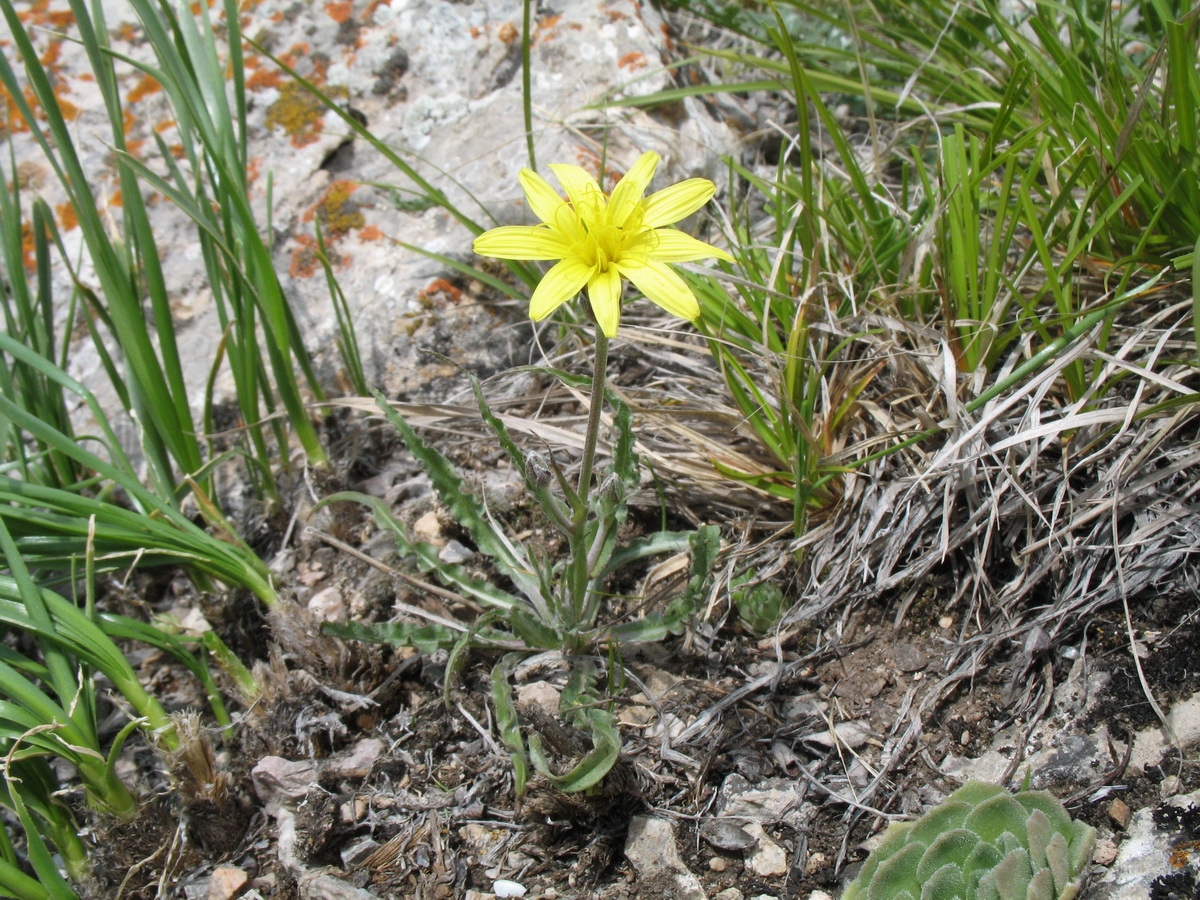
x=410 y=794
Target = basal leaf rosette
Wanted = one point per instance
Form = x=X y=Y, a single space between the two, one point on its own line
x=983 y=843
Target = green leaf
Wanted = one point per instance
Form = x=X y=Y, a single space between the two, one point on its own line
x=1013 y=875
x=506 y=721
x=999 y=815
x=944 y=817
x=950 y=847
x=466 y=510
x=896 y=873
x=426 y=638
x=946 y=883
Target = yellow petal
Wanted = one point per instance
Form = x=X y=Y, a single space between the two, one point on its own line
x=585 y=194
x=629 y=189
x=669 y=245
x=663 y=286
x=543 y=199
x=604 y=292
x=560 y=284
x=521 y=242
x=676 y=202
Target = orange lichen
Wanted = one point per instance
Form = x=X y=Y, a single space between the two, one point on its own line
x=508 y=32
x=146 y=86
x=49 y=59
x=632 y=61
x=28 y=258
x=304 y=260
x=116 y=199
x=127 y=120
x=67 y=217
x=164 y=125
x=548 y=22
x=134 y=148
x=68 y=109
x=253 y=169
x=339 y=10
x=475 y=32
x=370 y=233
x=439 y=287
x=38 y=13
x=262 y=78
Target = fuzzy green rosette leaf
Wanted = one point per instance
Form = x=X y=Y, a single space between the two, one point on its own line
x=983 y=843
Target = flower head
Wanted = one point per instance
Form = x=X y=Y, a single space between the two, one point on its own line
x=600 y=239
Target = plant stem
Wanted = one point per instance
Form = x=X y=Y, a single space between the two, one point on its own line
x=580 y=568
x=593 y=427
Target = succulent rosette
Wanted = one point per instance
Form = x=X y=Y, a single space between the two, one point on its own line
x=982 y=843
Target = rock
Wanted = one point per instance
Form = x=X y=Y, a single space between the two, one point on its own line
x=908 y=658
x=769 y=800
x=428 y=529
x=850 y=734
x=454 y=553
x=718 y=864
x=1120 y=813
x=357 y=761
x=1156 y=847
x=651 y=848
x=541 y=693
x=280 y=782
x=768 y=858
x=504 y=888
x=729 y=894
x=328 y=604
x=226 y=883
x=725 y=834
x=324 y=886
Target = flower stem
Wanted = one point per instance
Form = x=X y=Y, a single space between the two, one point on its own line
x=580 y=575
x=593 y=426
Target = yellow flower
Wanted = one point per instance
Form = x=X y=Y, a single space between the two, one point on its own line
x=600 y=239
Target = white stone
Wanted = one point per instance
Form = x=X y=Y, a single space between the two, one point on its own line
x=651 y=848
x=767 y=859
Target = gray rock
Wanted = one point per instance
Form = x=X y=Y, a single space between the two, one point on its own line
x=281 y=782
x=651 y=848
x=357 y=762
x=767 y=801
x=1147 y=853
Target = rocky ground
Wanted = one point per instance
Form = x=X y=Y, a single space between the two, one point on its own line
x=754 y=764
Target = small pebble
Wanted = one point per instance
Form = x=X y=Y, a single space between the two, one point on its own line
x=1120 y=813
x=1170 y=786
x=718 y=864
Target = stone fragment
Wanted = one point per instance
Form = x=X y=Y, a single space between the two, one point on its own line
x=768 y=800
x=280 y=782
x=908 y=658
x=328 y=604
x=725 y=834
x=504 y=888
x=1120 y=813
x=651 y=848
x=729 y=894
x=226 y=883
x=768 y=858
x=852 y=734
x=541 y=693
x=324 y=886
x=454 y=553
x=718 y=864
x=357 y=762
x=428 y=529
